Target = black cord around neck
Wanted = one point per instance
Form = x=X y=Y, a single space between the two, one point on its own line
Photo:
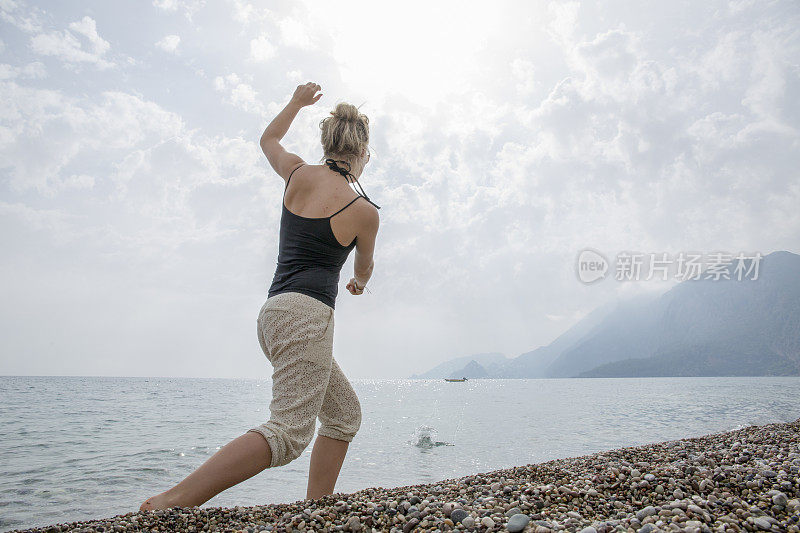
x=332 y=164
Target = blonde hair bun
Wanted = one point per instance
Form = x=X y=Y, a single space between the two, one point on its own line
x=345 y=111
x=345 y=134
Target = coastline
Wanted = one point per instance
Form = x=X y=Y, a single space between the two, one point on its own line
x=743 y=480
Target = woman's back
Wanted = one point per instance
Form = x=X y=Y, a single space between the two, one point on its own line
x=321 y=217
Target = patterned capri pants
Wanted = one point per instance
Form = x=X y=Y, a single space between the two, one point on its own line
x=296 y=334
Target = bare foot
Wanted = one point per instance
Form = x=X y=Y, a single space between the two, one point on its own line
x=162 y=501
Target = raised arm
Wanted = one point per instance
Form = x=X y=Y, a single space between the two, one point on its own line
x=284 y=162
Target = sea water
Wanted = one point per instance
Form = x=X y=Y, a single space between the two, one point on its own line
x=77 y=448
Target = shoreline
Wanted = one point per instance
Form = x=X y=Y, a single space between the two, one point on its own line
x=742 y=480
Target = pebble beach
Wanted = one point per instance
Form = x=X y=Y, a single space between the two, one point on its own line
x=742 y=480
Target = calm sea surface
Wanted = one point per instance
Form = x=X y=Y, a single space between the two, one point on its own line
x=76 y=448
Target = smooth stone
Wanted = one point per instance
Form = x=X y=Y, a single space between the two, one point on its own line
x=487 y=522
x=641 y=514
x=468 y=522
x=762 y=523
x=647 y=528
x=457 y=515
x=780 y=499
x=411 y=524
x=354 y=524
x=589 y=529
x=513 y=511
x=518 y=522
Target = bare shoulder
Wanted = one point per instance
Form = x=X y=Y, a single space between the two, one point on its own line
x=368 y=214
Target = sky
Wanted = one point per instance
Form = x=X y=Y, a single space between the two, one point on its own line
x=139 y=218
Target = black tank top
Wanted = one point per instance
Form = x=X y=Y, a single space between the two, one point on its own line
x=310 y=257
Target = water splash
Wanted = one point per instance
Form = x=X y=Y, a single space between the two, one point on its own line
x=424 y=437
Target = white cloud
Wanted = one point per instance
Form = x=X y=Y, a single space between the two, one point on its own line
x=188 y=7
x=25 y=19
x=247 y=13
x=295 y=33
x=525 y=74
x=239 y=94
x=56 y=222
x=44 y=131
x=35 y=70
x=67 y=46
x=261 y=49
x=166 y=5
x=88 y=28
x=169 y=43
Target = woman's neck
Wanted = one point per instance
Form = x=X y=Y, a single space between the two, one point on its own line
x=354 y=167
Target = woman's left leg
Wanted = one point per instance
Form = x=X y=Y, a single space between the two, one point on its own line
x=240 y=459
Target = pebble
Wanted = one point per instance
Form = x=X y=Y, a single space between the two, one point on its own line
x=517 y=522
x=458 y=515
x=354 y=524
x=762 y=523
x=780 y=499
x=743 y=480
x=641 y=514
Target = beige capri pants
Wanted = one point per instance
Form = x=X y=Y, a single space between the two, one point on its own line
x=296 y=334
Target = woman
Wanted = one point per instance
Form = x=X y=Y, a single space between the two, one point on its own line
x=322 y=220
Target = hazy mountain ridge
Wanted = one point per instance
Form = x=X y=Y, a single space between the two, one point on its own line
x=697 y=328
x=454 y=366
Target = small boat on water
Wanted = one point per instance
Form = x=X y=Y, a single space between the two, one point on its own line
x=455 y=379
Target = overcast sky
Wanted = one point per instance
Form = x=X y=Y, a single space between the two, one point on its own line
x=139 y=217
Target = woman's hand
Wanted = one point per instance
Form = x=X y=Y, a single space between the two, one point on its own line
x=304 y=94
x=351 y=286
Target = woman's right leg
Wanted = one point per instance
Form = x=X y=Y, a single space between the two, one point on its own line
x=341 y=418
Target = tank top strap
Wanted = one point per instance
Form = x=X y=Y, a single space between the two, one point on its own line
x=345 y=207
x=290 y=177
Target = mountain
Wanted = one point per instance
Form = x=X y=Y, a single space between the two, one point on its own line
x=708 y=328
x=472 y=370
x=534 y=364
x=700 y=327
x=490 y=360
